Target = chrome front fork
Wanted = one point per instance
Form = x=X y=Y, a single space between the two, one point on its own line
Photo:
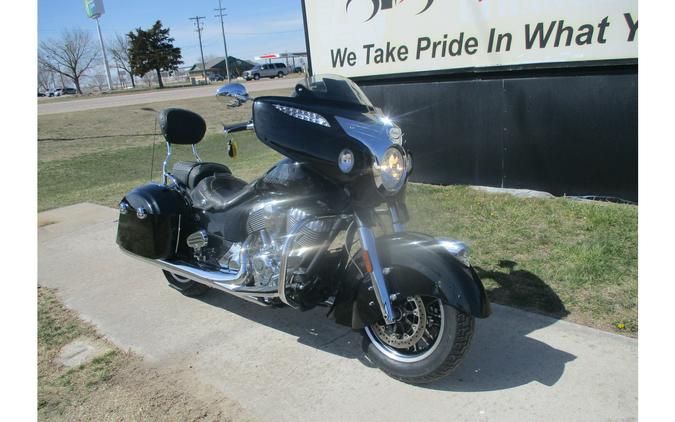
x=375 y=271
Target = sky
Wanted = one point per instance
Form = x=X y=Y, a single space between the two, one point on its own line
x=252 y=28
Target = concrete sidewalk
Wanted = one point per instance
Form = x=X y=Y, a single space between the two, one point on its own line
x=284 y=365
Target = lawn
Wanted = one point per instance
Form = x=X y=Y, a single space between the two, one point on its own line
x=564 y=258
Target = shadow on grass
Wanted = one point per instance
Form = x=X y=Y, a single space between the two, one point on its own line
x=501 y=356
x=523 y=289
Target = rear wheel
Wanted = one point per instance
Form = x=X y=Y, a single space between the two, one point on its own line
x=184 y=285
x=280 y=75
x=427 y=341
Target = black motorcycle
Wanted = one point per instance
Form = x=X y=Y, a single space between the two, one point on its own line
x=304 y=234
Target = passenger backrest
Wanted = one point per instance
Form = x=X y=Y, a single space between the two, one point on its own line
x=181 y=127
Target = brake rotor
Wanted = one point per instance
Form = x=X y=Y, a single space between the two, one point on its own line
x=408 y=328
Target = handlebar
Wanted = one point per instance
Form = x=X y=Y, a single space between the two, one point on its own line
x=238 y=127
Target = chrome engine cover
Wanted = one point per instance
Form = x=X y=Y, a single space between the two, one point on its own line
x=268 y=223
x=265 y=267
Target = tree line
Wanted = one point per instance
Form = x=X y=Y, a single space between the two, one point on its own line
x=75 y=53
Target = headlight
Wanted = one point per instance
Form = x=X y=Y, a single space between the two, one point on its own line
x=391 y=171
x=346 y=160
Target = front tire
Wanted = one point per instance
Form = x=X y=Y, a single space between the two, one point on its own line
x=256 y=76
x=184 y=285
x=436 y=352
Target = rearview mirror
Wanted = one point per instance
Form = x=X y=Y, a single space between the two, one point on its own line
x=234 y=92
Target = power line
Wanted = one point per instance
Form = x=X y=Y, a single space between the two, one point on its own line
x=266 y=33
x=220 y=14
x=201 y=49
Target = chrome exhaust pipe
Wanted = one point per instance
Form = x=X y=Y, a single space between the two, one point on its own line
x=229 y=282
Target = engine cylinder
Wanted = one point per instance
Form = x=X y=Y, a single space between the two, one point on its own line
x=312 y=232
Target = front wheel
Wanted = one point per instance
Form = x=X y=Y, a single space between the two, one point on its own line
x=184 y=285
x=427 y=341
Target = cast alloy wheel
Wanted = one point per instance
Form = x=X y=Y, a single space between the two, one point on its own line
x=416 y=332
x=427 y=341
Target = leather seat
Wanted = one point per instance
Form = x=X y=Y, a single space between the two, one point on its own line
x=221 y=192
x=190 y=173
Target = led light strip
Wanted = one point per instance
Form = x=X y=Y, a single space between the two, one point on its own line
x=307 y=116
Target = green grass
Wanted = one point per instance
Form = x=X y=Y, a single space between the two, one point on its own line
x=555 y=256
x=60 y=388
x=567 y=259
x=105 y=176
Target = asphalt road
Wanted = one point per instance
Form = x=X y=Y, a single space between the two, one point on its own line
x=283 y=365
x=47 y=107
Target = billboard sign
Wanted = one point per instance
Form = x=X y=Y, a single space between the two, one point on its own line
x=94 y=8
x=392 y=37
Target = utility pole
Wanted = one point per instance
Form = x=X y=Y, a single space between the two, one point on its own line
x=105 y=57
x=220 y=14
x=199 y=33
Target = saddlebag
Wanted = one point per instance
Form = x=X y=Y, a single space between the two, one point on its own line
x=150 y=220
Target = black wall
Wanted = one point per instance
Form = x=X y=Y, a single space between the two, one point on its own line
x=572 y=131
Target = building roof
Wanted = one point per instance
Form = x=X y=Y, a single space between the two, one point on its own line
x=211 y=63
x=219 y=63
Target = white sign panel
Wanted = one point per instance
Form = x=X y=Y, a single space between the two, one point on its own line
x=381 y=37
x=94 y=8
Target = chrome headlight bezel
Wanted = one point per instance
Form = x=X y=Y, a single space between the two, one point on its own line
x=390 y=176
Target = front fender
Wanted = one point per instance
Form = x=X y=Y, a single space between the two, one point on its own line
x=419 y=265
x=442 y=275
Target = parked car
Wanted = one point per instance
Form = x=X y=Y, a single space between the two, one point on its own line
x=62 y=91
x=270 y=70
x=297 y=69
x=215 y=76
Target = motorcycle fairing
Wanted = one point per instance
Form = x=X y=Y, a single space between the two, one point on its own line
x=419 y=266
x=314 y=145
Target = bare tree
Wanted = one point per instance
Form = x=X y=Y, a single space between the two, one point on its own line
x=119 y=50
x=44 y=78
x=99 y=80
x=149 y=78
x=71 y=55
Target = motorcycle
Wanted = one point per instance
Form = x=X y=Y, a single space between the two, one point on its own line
x=325 y=226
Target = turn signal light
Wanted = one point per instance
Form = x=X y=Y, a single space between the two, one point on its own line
x=366 y=262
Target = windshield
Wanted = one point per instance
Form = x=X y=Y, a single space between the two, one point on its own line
x=333 y=88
